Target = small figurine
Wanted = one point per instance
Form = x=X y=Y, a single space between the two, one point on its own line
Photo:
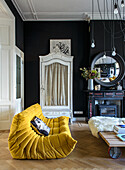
x=119 y=87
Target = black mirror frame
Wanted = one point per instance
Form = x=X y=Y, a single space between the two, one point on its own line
x=121 y=63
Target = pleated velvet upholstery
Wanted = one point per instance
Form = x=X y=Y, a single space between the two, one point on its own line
x=25 y=143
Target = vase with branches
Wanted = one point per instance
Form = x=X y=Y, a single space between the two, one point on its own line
x=89 y=75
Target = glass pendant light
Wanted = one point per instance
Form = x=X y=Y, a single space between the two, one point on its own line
x=104 y=56
x=122 y=3
x=115 y=9
x=114 y=51
x=93 y=43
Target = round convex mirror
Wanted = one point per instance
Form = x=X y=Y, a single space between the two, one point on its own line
x=110 y=68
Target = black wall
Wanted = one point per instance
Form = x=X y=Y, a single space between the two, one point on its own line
x=119 y=38
x=37 y=37
x=19 y=31
x=99 y=37
x=34 y=39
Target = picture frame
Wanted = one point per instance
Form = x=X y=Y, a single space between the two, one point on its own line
x=61 y=45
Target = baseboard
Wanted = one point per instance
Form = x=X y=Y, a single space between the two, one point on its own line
x=78 y=119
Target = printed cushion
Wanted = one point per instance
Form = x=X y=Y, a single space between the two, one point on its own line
x=40 y=127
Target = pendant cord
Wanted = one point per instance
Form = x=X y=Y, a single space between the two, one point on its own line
x=113 y=28
x=104 y=25
x=111 y=21
x=92 y=20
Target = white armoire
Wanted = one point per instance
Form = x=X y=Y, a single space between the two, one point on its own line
x=56 y=85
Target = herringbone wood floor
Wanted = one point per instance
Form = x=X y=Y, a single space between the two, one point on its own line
x=90 y=153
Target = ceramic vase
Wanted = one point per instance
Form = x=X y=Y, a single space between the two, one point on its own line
x=90 y=84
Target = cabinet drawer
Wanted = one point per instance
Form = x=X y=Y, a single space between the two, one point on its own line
x=119 y=94
x=98 y=94
x=109 y=94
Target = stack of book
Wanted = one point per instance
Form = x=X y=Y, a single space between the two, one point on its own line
x=120 y=131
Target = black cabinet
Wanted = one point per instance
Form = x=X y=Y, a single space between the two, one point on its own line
x=108 y=99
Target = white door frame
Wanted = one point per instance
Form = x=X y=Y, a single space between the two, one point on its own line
x=7 y=48
x=20 y=101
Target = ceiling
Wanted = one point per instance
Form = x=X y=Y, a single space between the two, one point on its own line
x=44 y=10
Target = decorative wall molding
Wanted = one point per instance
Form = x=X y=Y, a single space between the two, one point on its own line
x=34 y=13
x=48 y=16
x=31 y=10
x=18 y=10
x=5 y=11
x=57 y=16
x=107 y=17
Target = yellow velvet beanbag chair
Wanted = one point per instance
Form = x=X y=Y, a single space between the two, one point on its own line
x=26 y=143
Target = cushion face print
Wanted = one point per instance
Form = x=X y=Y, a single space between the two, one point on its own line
x=40 y=127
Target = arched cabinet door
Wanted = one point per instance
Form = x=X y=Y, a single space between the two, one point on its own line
x=56 y=85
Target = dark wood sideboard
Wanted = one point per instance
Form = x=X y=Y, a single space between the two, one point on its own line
x=107 y=97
